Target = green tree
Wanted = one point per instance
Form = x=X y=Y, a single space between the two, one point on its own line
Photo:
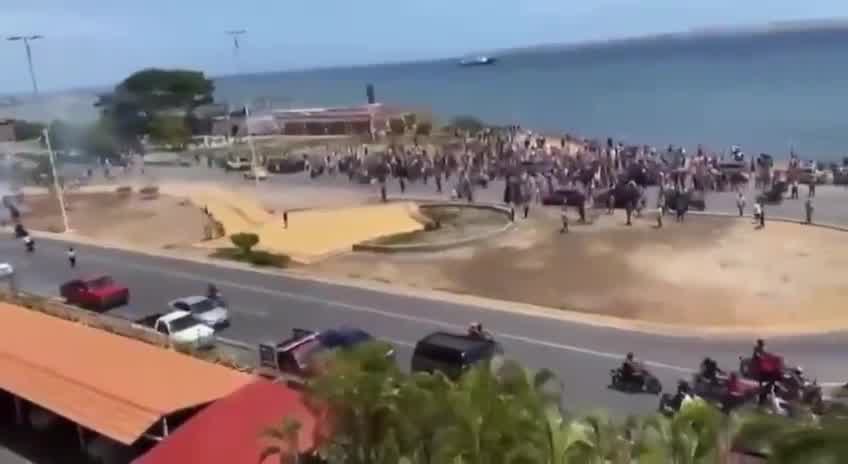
x=245 y=242
x=397 y=126
x=169 y=130
x=423 y=128
x=469 y=124
x=360 y=388
x=409 y=120
x=156 y=89
x=25 y=130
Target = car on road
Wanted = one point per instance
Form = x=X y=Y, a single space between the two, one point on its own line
x=299 y=356
x=237 y=164
x=96 y=293
x=212 y=312
x=181 y=328
x=257 y=173
x=453 y=354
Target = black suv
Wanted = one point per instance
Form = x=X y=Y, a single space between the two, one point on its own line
x=452 y=354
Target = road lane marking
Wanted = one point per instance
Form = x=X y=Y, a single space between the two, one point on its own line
x=388 y=314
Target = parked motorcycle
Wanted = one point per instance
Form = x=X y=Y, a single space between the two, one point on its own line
x=643 y=382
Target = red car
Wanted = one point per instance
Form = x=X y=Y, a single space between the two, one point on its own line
x=97 y=293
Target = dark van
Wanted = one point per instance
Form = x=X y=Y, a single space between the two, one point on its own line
x=452 y=354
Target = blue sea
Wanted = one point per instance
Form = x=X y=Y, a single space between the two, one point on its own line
x=767 y=92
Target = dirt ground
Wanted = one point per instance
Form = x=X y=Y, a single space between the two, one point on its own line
x=156 y=223
x=706 y=271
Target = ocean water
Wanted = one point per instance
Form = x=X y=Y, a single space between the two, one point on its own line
x=766 y=92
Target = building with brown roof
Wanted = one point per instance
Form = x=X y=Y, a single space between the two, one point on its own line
x=229 y=430
x=118 y=387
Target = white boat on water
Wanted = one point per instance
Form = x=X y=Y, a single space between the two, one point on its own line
x=478 y=61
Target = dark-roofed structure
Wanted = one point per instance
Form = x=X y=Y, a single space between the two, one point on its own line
x=229 y=431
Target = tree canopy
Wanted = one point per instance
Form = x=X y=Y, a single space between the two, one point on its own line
x=169 y=130
x=156 y=89
x=506 y=414
x=134 y=104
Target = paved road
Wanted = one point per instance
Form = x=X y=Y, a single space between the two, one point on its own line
x=267 y=307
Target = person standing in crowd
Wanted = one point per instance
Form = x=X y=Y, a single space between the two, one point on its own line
x=811 y=192
x=740 y=203
x=759 y=214
x=794 y=192
x=564 y=217
x=72 y=257
x=808 y=209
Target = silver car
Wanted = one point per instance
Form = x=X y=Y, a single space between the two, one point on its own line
x=211 y=312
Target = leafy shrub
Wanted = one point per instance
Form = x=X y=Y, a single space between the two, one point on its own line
x=123 y=190
x=244 y=242
x=263 y=258
x=151 y=191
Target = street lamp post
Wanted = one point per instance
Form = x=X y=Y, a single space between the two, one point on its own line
x=60 y=194
x=26 y=39
x=235 y=34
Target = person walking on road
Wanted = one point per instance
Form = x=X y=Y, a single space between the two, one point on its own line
x=808 y=209
x=740 y=203
x=759 y=214
x=72 y=257
x=564 y=217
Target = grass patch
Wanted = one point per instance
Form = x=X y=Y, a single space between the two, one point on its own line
x=254 y=257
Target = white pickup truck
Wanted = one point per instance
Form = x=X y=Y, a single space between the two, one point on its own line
x=182 y=328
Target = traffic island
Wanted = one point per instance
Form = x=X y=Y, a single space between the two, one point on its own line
x=446 y=225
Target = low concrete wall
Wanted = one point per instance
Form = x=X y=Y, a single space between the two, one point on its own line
x=823 y=225
x=439 y=246
x=112 y=324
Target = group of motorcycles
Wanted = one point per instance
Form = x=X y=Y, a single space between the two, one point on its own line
x=762 y=381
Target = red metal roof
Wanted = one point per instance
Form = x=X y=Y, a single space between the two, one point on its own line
x=229 y=431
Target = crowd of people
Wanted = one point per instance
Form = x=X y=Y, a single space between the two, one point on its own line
x=533 y=167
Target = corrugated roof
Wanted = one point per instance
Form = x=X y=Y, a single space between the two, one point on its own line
x=113 y=385
x=229 y=431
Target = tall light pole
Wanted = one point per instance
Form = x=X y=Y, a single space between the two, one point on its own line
x=235 y=34
x=26 y=39
x=60 y=194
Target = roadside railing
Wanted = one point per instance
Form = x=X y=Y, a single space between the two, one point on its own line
x=117 y=326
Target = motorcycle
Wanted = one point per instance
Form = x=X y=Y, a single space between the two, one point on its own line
x=643 y=382
x=799 y=389
x=30 y=244
x=768 y=368
x=671 y=404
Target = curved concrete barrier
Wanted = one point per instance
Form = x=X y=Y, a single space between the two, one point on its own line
x=445 y=245
x=823 y=225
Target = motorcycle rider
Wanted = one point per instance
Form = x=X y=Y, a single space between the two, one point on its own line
x=631 y=369
x=30 y=243
x=684 y=391
x=213 y=293
x=475 y=329
x=759 y=349
x=710 y=370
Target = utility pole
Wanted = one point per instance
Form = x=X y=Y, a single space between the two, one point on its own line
x=26 y=39
x=235 y=34
x=60 y=194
